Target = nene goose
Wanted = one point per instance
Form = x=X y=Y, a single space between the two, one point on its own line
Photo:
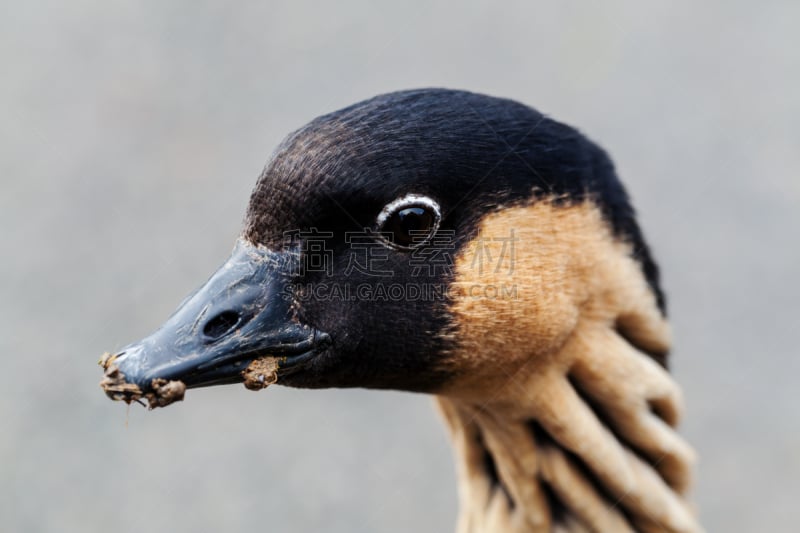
x=474 y=249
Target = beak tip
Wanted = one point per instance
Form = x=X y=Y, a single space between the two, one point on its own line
x=159 y=392
x=116 y=386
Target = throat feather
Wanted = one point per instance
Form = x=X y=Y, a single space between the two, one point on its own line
x=566 y=466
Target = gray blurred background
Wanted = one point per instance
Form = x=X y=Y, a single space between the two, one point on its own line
x=131 y=133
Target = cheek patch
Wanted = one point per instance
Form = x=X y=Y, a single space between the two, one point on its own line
x=562 y=381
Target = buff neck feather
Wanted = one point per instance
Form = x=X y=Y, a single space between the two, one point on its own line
x=564 y=420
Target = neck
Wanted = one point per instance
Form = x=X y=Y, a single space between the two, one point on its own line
x=590 y=449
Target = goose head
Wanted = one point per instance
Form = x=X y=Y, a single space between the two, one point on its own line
x=374 y=229
x=466 y=246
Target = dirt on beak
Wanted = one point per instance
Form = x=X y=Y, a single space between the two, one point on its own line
x=261 y=373
x=162 y=392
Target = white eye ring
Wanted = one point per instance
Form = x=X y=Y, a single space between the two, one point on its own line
x=404 y=202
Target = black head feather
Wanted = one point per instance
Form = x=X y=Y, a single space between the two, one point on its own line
x=473 y=154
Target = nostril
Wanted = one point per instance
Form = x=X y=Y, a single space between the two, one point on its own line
x=221 y=324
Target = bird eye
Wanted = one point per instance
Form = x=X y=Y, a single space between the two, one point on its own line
x=409 y=222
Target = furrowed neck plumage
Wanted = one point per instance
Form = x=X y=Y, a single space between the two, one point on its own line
x=562 y=418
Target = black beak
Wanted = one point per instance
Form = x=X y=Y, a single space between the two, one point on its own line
x=242 y=314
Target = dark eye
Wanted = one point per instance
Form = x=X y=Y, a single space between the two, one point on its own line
x=409 y=222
